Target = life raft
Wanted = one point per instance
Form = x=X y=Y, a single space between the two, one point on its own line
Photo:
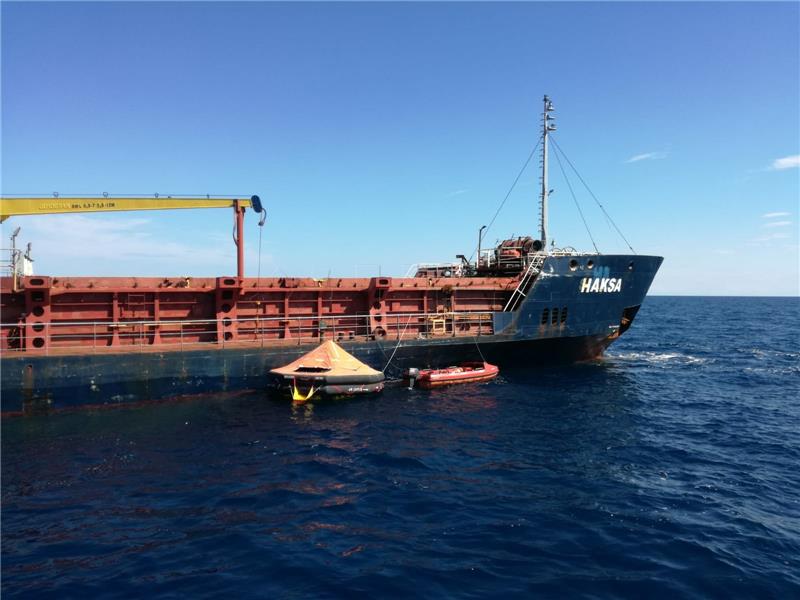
x=328 y=370
x=468 y=372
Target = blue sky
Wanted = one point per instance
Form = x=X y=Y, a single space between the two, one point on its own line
x=384 y=134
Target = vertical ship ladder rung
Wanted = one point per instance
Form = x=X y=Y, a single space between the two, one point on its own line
x=534 y=268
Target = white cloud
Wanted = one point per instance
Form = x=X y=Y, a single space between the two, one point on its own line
x=646 y=156
x=774 y=215
x=768 y=238
x=787 y=162
x=92 y=245
x=456 y=193
x=777 y=224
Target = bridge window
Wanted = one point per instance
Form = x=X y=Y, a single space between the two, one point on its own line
x=563 y=315
x=545 y=316
x=555 y=316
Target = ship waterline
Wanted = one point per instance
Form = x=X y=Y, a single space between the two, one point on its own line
x=109 y=343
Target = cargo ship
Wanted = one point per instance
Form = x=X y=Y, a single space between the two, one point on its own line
x=86 y=341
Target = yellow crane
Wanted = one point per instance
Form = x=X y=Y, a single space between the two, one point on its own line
x=21 y=206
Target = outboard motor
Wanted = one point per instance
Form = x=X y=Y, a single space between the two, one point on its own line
x=411 y=374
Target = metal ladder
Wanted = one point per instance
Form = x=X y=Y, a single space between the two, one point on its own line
x=534 y=268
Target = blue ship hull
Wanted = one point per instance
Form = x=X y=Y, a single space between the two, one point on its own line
x=571 y=313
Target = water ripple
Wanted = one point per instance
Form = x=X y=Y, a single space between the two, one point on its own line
x=670 y=467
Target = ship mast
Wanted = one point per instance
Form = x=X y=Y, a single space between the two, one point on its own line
x=547 y=127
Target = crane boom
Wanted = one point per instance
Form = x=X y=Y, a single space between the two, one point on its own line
x=14 y=207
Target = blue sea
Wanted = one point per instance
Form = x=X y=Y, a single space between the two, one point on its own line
x=669 y=468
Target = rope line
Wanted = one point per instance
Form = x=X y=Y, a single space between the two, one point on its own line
x=511 y=189
x=555 y=143
x=260 y=231
x=606 y=216
x=479 y=349
x=575 y=200
x=400 y=339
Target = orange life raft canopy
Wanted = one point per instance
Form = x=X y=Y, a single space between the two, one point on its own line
x=329 y=370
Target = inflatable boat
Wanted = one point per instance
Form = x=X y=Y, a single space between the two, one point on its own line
x=468 y=372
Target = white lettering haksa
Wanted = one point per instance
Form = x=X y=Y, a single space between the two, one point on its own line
x=598 y=284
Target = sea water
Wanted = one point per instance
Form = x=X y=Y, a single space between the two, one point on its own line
x=670 y=467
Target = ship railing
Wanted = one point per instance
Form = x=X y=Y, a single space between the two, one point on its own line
x=99 y=336
x=486 y=259
x=436 y=269
x=7 y=266
x=570 y=251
